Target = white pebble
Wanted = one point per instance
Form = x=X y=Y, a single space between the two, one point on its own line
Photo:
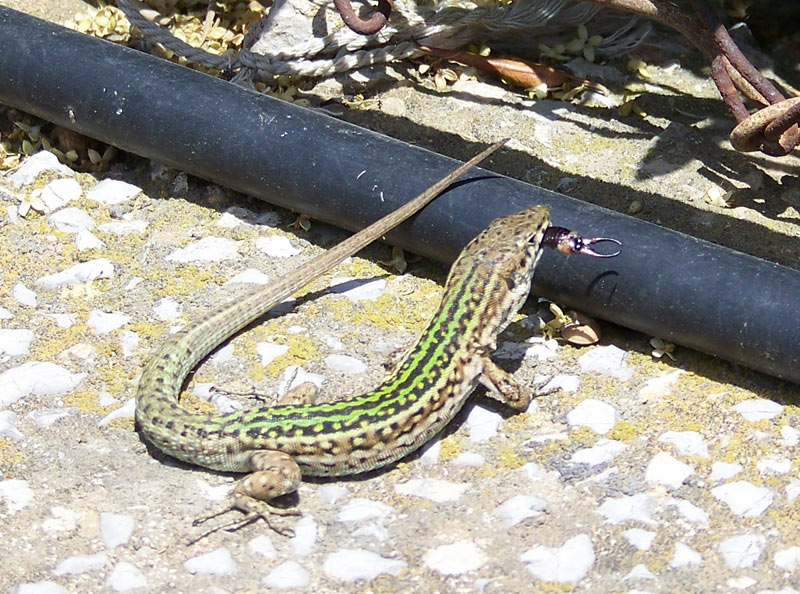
x=607 y=360
x=71 y=220
x=15 y=341
x=167 y=309
x=5 y=314
x=295 y=375
x=128 y=340
x=689 y=511
x=483 y=423
x=208 y=249
x=45 y=418
x=345 y=364
x=356 y=289
x=289 y=575
x=454 y=559
x=218 y=562
x=277 y=246
x=57 y=193
x=105 y=399
x=228 y=220
x=63 y=320
x=788 y=559
x=684 y=556
x=123 y=227
x=568 y=563
x=80 y=273
x=663 y=469
x=36 y=164
x=742 y=551
x=639 y=538
x=126 y=411
x=62 y=519
x=16 y=493
x=262 y=546
x=659 y=386
x=361 y=510
x=40 y=588
x=8 y=427
x=305 y=536
x=744 y=498
x=686 y=443
x=567 y=383
x=595 y=414
x=757 y=409
x=269 y=351
x=125 y=577
x=793 y=490
x=79 y=564
x=350 y=565
x=639 y=572
x=773 y=466
x=102 y=322
x=519 y=508
x=430 y=452
x=112 y=191
x=86 y=240
x=116 y=528
x=332 y=493
x=602 y=452
x=436 y=490
x=721 y=471
x=222 y=355
x=790 y=435
x=637 y=508
x=251 y=276
x=374 y=531
x=37 y=379
x=466 y=459
x=542 y=349
x=24 y=295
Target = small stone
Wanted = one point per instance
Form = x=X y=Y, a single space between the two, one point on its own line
x=742 y=551
x=289 y=575
x=686 y=443
x=62 y=520
x=659 y=386
x=637 y=508
x=269 y=351
x=639 y=572
x=345 y=364
x=37 y=379
x=567 y=383
x=361 y=510
x=128 y=340
x=602 y=452
x=16 y=493
x=468 y=459
x=744 y=498
x=567 y=563
x=436 y=490
x=685 y=556
x=721 y=471
x=689 y=511
x=262 y=546
x=455 y=559
x=519 y=508
x=358 y=289
x=332 y=493
x=45 y=418
x=793 y=490
x=251 y=276
x=116 y=528
x=79 y=564
x=757 y=409
x=788 y=559
x=112 y=191
x=103 y=322
x=80 y=273
x=124 y=227
x=40 y=588
x=218 y=562
x=71 y=220
x=57 y=193
x=639 y=538
x=8 y=427
x=36 y=164
x=305 y=536
x=208 y=249
x=276 y=246
x=773 y=466
x=350 y=565
x=607 y=360
x=663 y=469
x=5 y=314
x=790 y=435
x=15 y=341
x=167 y=309
x=374 y=531
x=126 y=411
x=483 y=423
x=126 y=577
x=294 y=375
x=24 y=295
x=86 y=240
x=595 y=414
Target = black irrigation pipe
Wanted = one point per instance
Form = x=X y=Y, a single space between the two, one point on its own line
x=664 y=284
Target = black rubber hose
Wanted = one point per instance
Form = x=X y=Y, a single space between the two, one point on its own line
x=664 y=284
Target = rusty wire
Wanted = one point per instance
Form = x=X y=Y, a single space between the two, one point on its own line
x=369 y=26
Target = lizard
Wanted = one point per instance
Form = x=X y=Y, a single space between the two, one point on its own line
x=277 y=445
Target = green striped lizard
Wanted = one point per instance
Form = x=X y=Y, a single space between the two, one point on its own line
x=277 y=445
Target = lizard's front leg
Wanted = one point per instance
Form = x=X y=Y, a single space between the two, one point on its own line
x=502 y=386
